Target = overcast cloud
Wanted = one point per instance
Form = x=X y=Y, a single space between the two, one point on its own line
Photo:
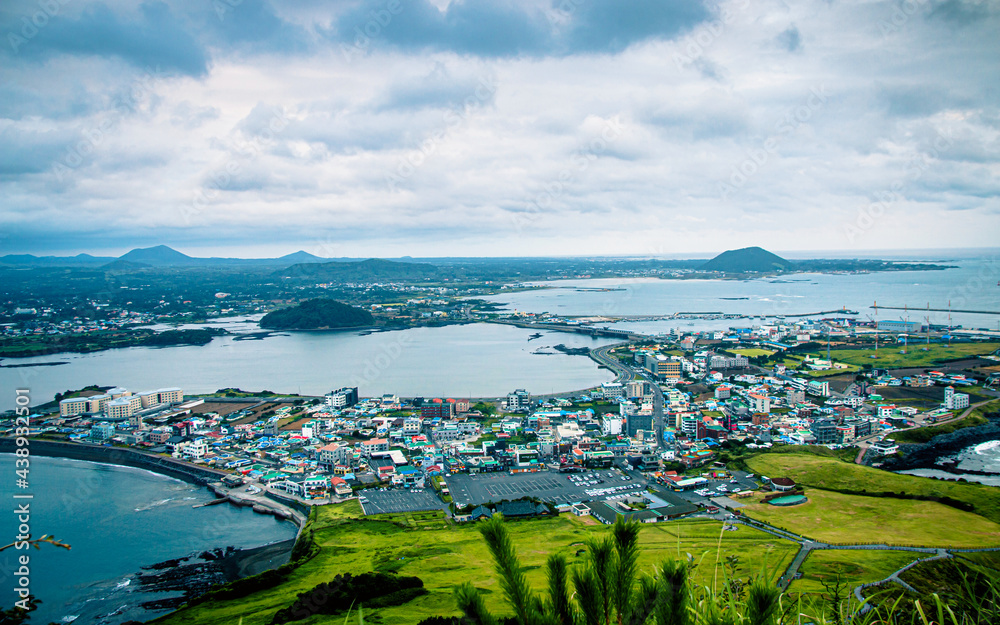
x=498 y=127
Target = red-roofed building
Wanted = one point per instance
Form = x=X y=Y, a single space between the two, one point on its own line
x=340 y=486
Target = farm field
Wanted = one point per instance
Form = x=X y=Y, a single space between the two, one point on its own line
x=917 y=354
x=444 y=555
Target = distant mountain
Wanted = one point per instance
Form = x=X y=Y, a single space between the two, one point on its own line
x=301 y=257
x=158 y=256
x=373 y=269
x=34 y=261
x=748 y=259
x=317 y=314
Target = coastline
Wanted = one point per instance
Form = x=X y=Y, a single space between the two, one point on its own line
x=927 y=455
x=193 y=474
x=145 y=586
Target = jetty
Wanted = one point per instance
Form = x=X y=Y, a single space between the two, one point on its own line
x=214 y=502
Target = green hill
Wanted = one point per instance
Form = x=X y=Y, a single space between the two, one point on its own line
x=317 y=314
x=371 y=270
x=748 y=259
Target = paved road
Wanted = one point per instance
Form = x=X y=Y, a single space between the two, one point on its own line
x=623 y=374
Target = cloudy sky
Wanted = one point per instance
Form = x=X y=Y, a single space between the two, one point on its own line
x=498 y=127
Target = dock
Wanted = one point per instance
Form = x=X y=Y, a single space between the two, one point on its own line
x=214 y=502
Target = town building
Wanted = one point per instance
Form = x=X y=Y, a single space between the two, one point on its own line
x=342 y=398
x=955 y=401
x=519 y=401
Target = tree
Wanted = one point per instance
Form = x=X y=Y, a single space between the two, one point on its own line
x=610 y=591
x=486 y=408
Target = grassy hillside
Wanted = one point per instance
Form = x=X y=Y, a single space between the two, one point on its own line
x=443 y=555
x=855 y=567
x=846 y=519
x=827 y=472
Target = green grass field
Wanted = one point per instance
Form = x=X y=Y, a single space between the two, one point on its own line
x=854 y=567
x=752 y=352
x=916 y=355
x=444 y=555
x=833 y=372
x=846 y=519
x=828 y=472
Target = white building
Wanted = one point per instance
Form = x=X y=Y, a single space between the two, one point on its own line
x=611 y=424
x=955 y=401
x=759 y=402
x=519 y=400
x=884 y=447
x=815 y=387
x=374 y=445
x=613 y=390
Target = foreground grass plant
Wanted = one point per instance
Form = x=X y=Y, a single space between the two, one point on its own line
x=608 y=589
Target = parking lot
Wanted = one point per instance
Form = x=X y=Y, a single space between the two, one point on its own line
x=394 y=501
x=549 y=486
x=719 y=488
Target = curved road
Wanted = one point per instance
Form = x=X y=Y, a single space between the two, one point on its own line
x=623 y=374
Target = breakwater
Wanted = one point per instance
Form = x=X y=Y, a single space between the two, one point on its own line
x=117 y=455
x=191 y=473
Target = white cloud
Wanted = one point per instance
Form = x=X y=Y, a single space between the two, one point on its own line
x=773 y=125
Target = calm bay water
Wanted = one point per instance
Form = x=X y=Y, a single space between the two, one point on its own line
x=972 y=285
x=474 y=360
x=117 y=520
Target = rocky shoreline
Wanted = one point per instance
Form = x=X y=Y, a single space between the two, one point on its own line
x=196 y=574
x=928 y=455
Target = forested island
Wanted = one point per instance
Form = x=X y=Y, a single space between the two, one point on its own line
x=317 y=314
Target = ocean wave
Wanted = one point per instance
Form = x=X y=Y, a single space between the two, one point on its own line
x=988 y=448
x=69 y=618
x=122 y=584
x=155 y=504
